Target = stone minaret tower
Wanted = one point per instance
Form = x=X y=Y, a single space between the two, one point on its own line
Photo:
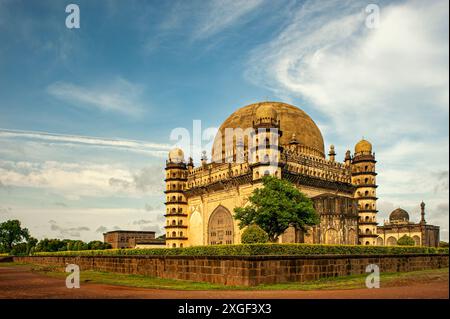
x=363 y=177
x=266 y=148
x=422 y=213
x=176 y=203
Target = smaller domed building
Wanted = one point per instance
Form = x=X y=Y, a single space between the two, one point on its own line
x=400 y=225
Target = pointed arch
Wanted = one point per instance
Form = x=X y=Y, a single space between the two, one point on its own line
x=220 y=227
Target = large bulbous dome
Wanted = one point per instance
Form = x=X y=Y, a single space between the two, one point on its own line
x=293 y=122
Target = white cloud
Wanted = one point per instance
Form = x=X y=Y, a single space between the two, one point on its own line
x=74 y=180
x=118 y=95
x=327 y=56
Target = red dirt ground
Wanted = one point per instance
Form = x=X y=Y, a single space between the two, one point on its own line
x=19 y=283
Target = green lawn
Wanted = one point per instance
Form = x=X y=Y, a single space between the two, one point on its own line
x=348 y=282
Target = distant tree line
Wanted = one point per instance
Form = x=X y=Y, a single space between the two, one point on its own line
x=16 y=240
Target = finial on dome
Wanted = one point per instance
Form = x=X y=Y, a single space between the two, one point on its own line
x=332 y=153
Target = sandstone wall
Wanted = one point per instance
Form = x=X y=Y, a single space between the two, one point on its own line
x=244 y=270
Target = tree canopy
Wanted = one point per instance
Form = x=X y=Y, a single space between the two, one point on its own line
x=406 y=241
x=11 y=233
x=276 y=206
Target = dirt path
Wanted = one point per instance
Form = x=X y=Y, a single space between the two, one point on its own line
x=19 y=282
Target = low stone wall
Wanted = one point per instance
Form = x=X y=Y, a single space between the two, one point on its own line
x=5 y=259
x=245 y=270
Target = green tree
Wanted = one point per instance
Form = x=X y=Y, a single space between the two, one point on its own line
x=31 y=245
x=19 y=249
x=276 y=206
x=11 y=233
x=96 y=245
x=254 y=234
x=406 y=241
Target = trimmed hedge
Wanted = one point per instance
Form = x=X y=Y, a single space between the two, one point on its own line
x=257 y=249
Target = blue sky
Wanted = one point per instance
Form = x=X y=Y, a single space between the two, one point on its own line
x=86 y=114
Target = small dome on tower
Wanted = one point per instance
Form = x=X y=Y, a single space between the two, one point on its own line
x=399 y=215
x=176 y=155
x=266 y=111
x=363 y=146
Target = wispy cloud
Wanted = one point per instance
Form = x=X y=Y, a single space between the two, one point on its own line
x=156 y=149
x=119 y=96
x=202 y=20
x=223 y=14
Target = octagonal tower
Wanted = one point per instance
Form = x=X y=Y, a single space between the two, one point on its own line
x=363 y=177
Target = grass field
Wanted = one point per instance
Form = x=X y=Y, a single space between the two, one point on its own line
x=348 y=282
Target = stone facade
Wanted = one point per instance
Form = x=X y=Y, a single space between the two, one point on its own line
x=244 y=270
x=127 y=238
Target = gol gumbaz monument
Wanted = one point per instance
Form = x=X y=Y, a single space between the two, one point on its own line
x=200 y=200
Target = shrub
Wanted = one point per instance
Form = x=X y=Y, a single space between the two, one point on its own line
x=254 y=234
x=443 y=244
x=406 y=241
x=258 y=250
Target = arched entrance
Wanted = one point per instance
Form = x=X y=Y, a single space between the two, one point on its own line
x=391 y=241
x=220 y=227
x=352 y=238
x=331 y=237
x=380 y=241
x=416 y=240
